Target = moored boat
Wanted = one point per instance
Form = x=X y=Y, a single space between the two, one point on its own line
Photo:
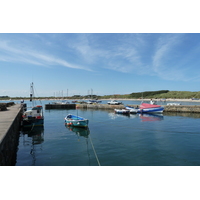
x=122 y=111
x=91 y=101
x=34 y=116
x=61 y=102
x=114 y=102
x=173 y=104
x=132 y=109
x=149 y=108
x=73 y=120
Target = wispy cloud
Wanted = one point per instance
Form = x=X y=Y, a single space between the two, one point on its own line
x=164 y=62
x=110 y=51
x=12 y=53
x=157 y=55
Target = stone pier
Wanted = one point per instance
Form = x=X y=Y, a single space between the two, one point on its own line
x=9 y=134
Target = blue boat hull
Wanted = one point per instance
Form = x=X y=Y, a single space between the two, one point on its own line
x=72 y=120
x=151 y=110
x=33 y=122
x=77 y=123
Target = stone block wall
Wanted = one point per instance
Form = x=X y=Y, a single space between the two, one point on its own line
x=8 y=147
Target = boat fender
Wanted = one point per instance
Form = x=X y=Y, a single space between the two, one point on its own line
x=38 y=117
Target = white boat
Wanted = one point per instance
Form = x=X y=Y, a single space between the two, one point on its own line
x=173 y=104
x=61 y=102
x=33 y=117
x=121 y=111
x=114 y=102
x=91 y=101
x=132 y=109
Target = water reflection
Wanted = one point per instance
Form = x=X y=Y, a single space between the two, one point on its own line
x=144 y=116
x=33 y=137
x=37 y=134
x=151 y=117
x=116 y=115
x=84 y=133
x=80 y=131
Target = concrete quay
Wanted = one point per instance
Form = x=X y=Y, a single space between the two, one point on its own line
x=9 y=134
x=182 y=109
x=99 y=106
x=174 y=108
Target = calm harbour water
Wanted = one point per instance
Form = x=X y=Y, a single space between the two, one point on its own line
x=118 y=140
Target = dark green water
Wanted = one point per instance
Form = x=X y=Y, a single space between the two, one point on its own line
x=118 y=140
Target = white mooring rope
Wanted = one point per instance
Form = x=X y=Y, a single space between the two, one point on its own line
x=94 y=151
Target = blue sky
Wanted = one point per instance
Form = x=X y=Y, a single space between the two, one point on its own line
x=107 y=63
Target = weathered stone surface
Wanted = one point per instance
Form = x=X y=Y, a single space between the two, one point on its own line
x=182 y=108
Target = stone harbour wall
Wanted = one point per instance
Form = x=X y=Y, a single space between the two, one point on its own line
x=181 y=108
x=171 y=108
x=8 y=145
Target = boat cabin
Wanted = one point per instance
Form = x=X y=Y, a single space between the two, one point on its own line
x=35 y=112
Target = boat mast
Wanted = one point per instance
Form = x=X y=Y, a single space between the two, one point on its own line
x=31 y=94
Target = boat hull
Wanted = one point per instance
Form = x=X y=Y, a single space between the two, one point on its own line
x=77 y=123
x=72 y=120
x=132 y=110
x=32 y=122
x=122 y=111
x=151 y=110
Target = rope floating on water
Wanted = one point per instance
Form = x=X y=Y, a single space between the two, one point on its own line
x=94 y=151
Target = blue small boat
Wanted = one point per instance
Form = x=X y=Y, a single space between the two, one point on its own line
x=73 y=120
